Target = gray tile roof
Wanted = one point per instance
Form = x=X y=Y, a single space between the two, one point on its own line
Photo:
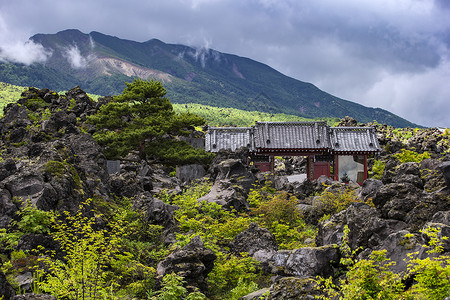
x=354 y=139
x=291 y=135
x=232 y=138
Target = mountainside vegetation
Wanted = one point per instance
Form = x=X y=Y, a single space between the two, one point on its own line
x=76 y=225
x=101 y=64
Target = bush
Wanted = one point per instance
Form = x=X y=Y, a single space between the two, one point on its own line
x=411 y=156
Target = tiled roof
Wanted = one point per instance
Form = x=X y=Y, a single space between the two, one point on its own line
x=291 y=135
x=354 y=139
x=231 y=138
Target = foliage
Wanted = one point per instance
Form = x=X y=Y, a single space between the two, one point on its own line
x=173 y=289
x=333 y=201
x=176 y=152
x=216 y=227
x=411 y=156
x=377 y=169
x=9 y=94
x=278 y=213
x=88 y=253
x=366 y=279
x=371 y=278
x=226 y=116
x=141 y=114
x=33 y=220
x=432 y=273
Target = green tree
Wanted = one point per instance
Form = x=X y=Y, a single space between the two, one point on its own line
x=140 y=116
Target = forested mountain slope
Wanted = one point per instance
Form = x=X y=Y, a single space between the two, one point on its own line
x=100 y=64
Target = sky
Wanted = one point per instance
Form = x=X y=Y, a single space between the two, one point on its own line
x=391 y=54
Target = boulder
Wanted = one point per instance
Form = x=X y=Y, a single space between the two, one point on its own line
x=396 y=200
x=294 y=288
x=253 y=239
x=445 y=169
x=257 y=295
x=367 y=228
x=188 y=173
x=6 y=290
x=33 y=296
x=193 y=262
x=398 y=245
x=158 y=212
x=25 y=281
x=7 y=208
x=33 y=241
x=227 y=194
x=369 y=188
x=310 y=261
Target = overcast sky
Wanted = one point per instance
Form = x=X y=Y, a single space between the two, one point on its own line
x=392 y=54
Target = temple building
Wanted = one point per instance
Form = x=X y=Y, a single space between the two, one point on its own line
x=337 y=152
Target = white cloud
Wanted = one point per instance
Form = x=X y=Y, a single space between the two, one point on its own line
x=74 y=57
x=12 y=49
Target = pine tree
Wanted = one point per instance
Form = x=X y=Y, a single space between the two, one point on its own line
x=141 y=116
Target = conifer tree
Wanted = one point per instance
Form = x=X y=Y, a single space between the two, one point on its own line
x=141 y=118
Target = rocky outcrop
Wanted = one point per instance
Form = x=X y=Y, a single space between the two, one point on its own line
x=33 y=296
x=252 y=240
x=367 y=227
x=312 y=261
x=193 y=262
x=6 y=290
x=294 y=288
x=233 y=181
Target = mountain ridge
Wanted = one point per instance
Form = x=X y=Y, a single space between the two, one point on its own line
x=101 y=64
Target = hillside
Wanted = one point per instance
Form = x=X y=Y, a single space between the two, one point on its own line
x=78 y=225
x=100 y=64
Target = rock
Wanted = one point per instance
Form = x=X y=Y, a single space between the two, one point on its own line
x=25 y=281
x=6 y=290
x=294 y=288
x=252 y=240
x=193 y=262
x=396 y=200
x=7 y=208
x=441 y=217
x=445 y=169
x=312 y=261
x=32 y=296
x=158 y=212
x=367 y=228
x=257 y=295
x=33 y=241
x=188 y=173
x=408 y=173
x=369 y=188
x=227 y=194
x=398 y=245
x=347 y=122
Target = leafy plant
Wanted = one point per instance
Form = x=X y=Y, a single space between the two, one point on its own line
x=88 y=253
x=411 y=156
x=377 y=169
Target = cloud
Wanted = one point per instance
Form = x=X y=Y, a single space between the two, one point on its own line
x=74 y=57
x=12 y=49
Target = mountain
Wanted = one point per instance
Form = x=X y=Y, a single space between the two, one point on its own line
x=100 y=64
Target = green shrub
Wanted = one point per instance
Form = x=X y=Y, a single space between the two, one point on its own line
x=87 y=254
x=331 y=202
x=377 y=169
x=411 y=156
x=33 y=220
